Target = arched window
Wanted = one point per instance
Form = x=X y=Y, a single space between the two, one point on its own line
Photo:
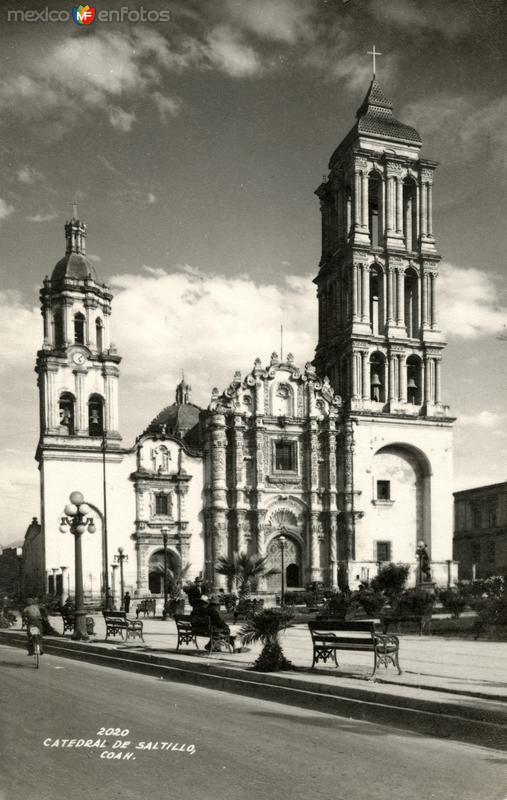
x=377 y=377
x=412 y=303
x=58 y=327
x=79 y=328
x=414 y=380
x=99 y=338
x=410 y=214
x=66 y=411
x=376 y=300
x=375 y=209
x=96 y=415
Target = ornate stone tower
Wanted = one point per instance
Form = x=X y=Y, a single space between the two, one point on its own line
x=77 y=368
x=379 y=340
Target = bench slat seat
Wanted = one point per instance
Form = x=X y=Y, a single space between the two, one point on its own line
x=118 y=623
x=188 y=633
x=331 y=635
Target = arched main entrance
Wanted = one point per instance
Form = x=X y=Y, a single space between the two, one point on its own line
x=293 y=565
x=156 y=569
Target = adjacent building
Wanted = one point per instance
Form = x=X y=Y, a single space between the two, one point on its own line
x=480 y=531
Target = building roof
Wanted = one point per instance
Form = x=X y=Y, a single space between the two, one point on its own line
x=375 y=118
x=74 y=265
x=180 y=420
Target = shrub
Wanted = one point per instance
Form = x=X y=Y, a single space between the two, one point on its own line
x=391 y=580
x=371 y=601
x=453 y=601
x=415 y=601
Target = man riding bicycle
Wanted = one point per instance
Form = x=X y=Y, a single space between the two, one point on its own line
x=33 y=618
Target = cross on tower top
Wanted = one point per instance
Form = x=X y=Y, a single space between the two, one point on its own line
x=74 y=209
x=374 y=53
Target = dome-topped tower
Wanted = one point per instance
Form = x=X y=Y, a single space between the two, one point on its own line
x=74 y=264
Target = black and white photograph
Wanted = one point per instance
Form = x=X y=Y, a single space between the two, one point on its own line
x=253 y=427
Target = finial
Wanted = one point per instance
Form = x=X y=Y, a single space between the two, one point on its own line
x=374 y=53
x=74 y=209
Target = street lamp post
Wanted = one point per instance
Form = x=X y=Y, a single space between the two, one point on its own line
x=282 y=541
x=114 y=567
x=121 y=557
x=164 y=540
x=76 y=520
x=62 y=596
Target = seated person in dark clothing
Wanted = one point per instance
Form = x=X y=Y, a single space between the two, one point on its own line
x=207 y=613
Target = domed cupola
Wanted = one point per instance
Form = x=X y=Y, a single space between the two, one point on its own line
x=74 y=264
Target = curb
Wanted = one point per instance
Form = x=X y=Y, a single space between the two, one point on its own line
x=482 y=724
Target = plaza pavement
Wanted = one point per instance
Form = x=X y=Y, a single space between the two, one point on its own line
x=450 y=688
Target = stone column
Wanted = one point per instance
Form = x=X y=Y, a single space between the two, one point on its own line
x=430 y=209
x=402 y=375
x=333 y=550
x=438 y=378
x=424 y=298
x=48 y=328
x=355 y=299
x=364 y=374
x=392 y=378
x=68 y=328
x=357 y=200
x=315 y=571
x=427 y=380
x=364 y=201
x=348 y=487
x=424 y=211
x=400 y=278
x=110 y=373
x=52 y=411
x=390 y=295
x=433 y=284
x=91 y=338
x=399 y=205
x=106 y=330
x=365 y=310
x=81 y=417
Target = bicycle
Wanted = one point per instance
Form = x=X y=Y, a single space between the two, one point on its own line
x=35 y=641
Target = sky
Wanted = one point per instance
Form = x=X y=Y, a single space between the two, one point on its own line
x=193 y=147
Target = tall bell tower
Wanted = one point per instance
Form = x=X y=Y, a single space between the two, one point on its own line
x=380 y=344
x=78 y=371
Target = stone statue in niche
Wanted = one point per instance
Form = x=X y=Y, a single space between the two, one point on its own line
x=161 y=458
x=282 y=401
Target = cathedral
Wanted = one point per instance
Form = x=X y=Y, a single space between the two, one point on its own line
x=345 y=462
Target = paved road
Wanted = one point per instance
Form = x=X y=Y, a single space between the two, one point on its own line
x=244 y=748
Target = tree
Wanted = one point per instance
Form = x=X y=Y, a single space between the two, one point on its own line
x=391 y=580
x=242 y=569
x=266 y=627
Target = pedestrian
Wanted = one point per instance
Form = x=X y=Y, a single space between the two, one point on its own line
x=126 y=602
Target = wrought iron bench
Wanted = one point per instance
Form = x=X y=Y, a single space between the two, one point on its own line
x=423 y=620
x=68 y=620
x=146 y=606
x=117 y=623
x=188 y=632
x=331 y=635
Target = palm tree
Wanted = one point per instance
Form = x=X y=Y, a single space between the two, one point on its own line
x=244 y=569
x=266 y=627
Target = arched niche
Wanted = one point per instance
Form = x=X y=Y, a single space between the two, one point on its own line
x=414 y=380
x=376 y=299
x=378 y=377
x=156 y=569
x=66 y=410
x=282 y=399
x=411 y=297
x=375 y=209
x=292 y=561
x=96 y=415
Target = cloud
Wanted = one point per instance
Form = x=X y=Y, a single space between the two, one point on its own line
x=229 y=54
x=121 y=120
x=167 y=106
x=483 y=419
x=478 y=126
x=469 y=302
x=151 y=198
x=5 y=209
x=94 y=257
x=283 y=21
x=211 y=324
x=42 y=217
x=108 y=165
x=414 y=18
x=29 y=175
